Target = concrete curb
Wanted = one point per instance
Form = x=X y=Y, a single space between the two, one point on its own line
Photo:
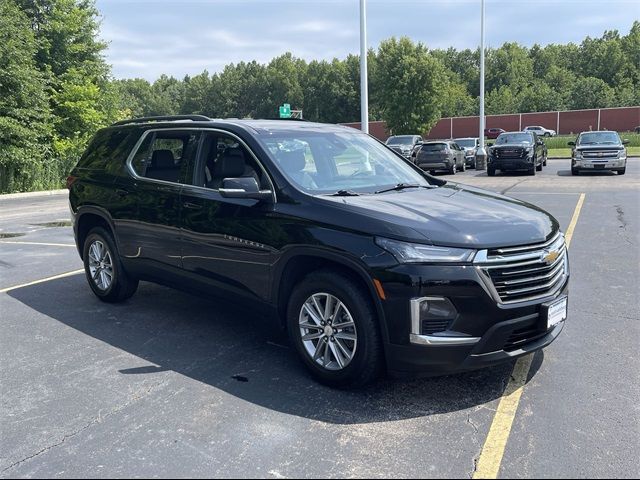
x=11 y=196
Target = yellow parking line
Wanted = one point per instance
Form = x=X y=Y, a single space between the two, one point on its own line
x=490 y=459
x=43 y=244
x=42 y=280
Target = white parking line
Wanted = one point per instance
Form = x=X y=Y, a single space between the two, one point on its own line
x=40 y=243
x=42 y=280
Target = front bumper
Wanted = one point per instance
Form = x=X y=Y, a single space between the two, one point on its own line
x=608 y=164
x=484 y=332
x=511 y=164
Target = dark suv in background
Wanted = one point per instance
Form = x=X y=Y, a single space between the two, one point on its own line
x=368 y=262
x=517 y=151
x=405 y=145
x=441 y=155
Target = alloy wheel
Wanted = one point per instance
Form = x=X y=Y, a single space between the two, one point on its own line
x=100 y=265
x=328 y=331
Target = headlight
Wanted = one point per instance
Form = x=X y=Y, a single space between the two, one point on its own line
x=577 y=155
x=622 y=154
x=406 y=252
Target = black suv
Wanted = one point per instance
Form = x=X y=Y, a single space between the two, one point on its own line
x=369 y=262
x=517 y=151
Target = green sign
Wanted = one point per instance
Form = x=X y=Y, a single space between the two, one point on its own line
x=285 y=111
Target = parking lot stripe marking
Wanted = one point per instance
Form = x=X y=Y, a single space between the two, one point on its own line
x=43 y=244
x=574 y=220
x=488 y=465
x=42 y=280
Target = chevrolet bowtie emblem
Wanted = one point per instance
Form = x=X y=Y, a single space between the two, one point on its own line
x=550 y=257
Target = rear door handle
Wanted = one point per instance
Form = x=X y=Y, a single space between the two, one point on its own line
x=192 y=206
x=122 y=193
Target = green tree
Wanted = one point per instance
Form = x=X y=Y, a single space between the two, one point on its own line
x=411 y=85
x=25 y=131
x=591 y=92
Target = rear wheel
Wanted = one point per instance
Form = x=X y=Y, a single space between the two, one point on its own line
x=464 y=166
x=547 y=134
x=333 y=324
x=103 y=268
x=453 y=169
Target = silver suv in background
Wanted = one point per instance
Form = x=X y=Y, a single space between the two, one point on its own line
x=602 y=150
x=470 y=146
x=442 y=155
x=404 y=144
x=540 y=131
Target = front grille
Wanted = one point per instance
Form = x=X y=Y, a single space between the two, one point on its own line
x=604 y=154
x=510 y=152
x=524 y=273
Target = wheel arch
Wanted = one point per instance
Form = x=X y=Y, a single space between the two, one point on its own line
x=296 y=264
x=88 y=218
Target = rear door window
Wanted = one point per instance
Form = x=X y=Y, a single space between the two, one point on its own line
x=167 y=156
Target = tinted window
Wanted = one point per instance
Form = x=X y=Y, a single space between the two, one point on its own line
x=466 y=142
x=224 y=157
x=400 y=140
x=168 y=156
x=106 y=144
x=434 y=147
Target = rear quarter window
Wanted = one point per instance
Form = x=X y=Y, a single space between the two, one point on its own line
x=105 y=146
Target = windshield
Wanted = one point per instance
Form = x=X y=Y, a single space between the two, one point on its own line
x=466 y=142
x=599 y=138
x=505 y=138
x=329 y=162
x=400 y=140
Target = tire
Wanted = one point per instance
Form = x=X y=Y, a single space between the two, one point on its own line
x=464 y=166
x=532 y=171
x=453 y=169
x=491 y=172
x=539 y=167
x=547 y=134
x=575 y=171
x=120 y=286
x=622 y=171
x=366 y=362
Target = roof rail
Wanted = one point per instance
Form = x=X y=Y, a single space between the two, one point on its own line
x=164 y=118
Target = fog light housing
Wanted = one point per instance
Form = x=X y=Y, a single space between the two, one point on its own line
x=432 y=315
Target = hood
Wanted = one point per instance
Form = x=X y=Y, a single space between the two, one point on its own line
x=451 y=215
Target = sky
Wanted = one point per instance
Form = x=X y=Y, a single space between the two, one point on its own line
x=177 y=37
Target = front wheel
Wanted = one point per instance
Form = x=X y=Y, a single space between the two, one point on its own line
x=547 y=134
x=539 y=167
x=532 y=171
x=333 y=324
x=103 y=268
x=622 y=171
x=575 y=171
x=491 y=172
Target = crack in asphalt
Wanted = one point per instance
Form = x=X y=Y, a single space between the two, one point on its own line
x=99 y=419
x=502 y=192
x=623 y=224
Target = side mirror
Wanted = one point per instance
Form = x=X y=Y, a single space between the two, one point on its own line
x=489 y=144
x=571 y=144
x=625 y=142
x=244 y=187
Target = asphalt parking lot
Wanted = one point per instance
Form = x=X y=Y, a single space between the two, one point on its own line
x=171 y=385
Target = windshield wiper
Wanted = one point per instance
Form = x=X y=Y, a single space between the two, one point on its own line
x=402 y=186
x=344 y=193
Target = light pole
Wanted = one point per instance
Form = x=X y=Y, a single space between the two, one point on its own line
x=481 y=153
x=364 y=91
